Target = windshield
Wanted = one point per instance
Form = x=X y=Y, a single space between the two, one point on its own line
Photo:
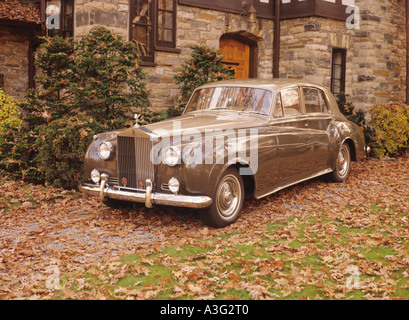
x=232 y=98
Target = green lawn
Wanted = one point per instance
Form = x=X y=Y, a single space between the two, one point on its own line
x=361 y=255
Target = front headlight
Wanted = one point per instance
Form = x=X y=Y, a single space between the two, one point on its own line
x=172 y=156
x=105 y=150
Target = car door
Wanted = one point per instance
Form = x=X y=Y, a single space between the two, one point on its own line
x=295 y=149
x=319 y=119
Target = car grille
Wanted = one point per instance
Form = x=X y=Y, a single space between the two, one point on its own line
x=134 y=163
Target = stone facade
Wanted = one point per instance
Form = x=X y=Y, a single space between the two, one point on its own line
x=195 y=26
x=112 y=14
x=376 y=52
x=200 y=27
x=14 y=62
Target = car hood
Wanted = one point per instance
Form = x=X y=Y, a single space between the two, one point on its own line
x=200 y=122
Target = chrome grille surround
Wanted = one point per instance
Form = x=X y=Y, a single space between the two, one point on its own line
x=134 y=163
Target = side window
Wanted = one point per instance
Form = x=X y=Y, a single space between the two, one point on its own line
x=291 y=102
x=312 y=100
x=323 y=102
x=142 y=27
x=166 y=23
x=278 y=111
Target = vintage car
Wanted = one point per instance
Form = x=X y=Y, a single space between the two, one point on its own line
x=235 y=138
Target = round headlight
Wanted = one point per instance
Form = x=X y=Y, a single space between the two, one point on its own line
x=95 y=176
x=105 y=150
x=172 y=156
x=174 y=185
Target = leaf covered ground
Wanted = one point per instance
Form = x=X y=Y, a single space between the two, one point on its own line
x=316 y=240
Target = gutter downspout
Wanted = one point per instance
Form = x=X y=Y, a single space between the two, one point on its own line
x=276 y=55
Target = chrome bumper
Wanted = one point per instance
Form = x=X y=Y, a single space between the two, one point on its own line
x=149 y=198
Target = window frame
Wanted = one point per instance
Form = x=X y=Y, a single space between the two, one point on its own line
x=343 y=53
x=62 y=31
x=155 y=43
x=300 y=102
x=163 y=45
x=317 y=91
x=146 y=59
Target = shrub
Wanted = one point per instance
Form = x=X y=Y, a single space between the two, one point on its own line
x=358 y=117
x=391 y=125
x=8 y=111
x=205 y=65
x=83 y=88
x=61 y=148
x=17 y=152
x=107 y=80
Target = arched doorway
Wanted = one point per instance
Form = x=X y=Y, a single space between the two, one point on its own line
x=241 y=54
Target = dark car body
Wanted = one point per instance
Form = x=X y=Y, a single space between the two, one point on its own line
x=235 y=137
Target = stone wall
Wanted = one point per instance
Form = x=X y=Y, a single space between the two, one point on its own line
x=194 y=26
x=375 y=67
x=306 y=49
x=14 y=46
x=205 y=27
x=376 y=52
x=379 y=61
x=112 y=14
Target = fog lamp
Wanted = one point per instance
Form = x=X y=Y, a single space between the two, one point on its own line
x=95 y=176
x=174 y=185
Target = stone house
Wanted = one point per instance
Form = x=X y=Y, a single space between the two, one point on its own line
x=355 y=46
x=20 y=23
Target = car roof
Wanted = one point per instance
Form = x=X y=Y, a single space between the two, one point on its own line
x=273 y=84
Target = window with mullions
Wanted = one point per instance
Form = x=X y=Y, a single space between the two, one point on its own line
x=153 y=26
x=65 y=28
x=142 y=27
x=166 y=23
x=338 y=70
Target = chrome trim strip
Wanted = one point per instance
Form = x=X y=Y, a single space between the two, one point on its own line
x=194 y=202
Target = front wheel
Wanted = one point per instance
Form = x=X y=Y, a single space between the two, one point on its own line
x=343 y=164
x=227 y=201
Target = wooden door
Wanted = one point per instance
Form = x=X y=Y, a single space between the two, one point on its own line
x=237 y=55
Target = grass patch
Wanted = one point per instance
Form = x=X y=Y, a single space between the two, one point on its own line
x=292 y=259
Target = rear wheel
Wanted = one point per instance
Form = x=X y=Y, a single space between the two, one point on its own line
x=227 y=201
x=342 y=165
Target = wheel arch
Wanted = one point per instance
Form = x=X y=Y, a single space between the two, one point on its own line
x=352 y=147
x=248 y=179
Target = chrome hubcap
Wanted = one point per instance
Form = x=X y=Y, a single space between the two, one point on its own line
x=229 y=195
x=343 y=161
